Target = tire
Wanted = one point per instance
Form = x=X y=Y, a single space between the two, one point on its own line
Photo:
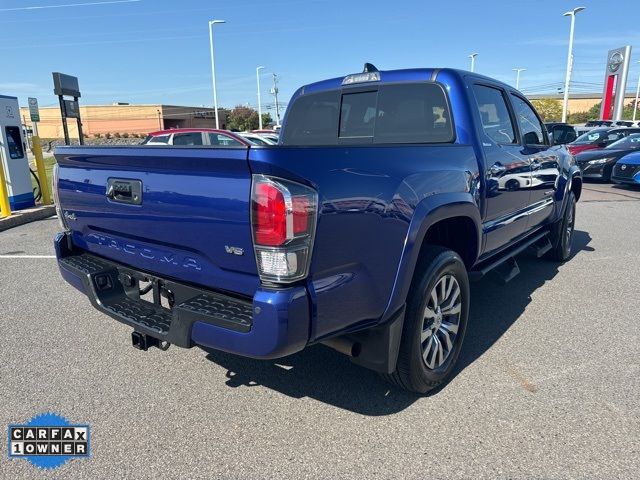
x=415 y=371
x=561 y=235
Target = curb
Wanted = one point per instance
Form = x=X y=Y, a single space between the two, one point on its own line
x=21 y=217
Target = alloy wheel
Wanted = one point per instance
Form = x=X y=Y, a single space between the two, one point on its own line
x=441 y=321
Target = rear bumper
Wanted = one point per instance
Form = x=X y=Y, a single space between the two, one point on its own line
x=273 y=324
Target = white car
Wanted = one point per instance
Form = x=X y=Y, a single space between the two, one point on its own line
x=257 y=139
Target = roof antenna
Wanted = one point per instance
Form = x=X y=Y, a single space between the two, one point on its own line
x=369 y=67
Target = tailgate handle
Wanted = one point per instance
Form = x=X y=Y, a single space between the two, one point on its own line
x=123 y=190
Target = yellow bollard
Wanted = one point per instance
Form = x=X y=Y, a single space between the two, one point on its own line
x=42 y=173
x=5 y=208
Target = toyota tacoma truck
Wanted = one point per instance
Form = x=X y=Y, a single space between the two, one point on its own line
x=387 y=193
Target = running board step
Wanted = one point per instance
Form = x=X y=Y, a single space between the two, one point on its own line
x=511 y=269
x=507 y=271
x=541 y=247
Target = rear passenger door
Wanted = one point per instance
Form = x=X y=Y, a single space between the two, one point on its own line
x=507 y=171
x=543 y=159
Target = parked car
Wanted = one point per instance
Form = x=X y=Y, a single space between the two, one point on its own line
x=195 y=136
x=599 y=138
x=561 y=133
x=627 y=169
x=265 y=131
x=274 y=137
x=256 y=139
x=599 y=163
x=360 y=231
x=599 y=123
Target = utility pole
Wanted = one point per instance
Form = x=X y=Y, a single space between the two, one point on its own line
x=274 y=92
x=567 y=79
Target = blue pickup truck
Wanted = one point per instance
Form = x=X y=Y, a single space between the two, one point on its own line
x=388 y=192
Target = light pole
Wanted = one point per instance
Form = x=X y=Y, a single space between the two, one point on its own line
x=567 y=79
x=274 y=92
x=635 y=105
x=518 y=70
x=473 y=61
x=259 y=104
x=213 y=68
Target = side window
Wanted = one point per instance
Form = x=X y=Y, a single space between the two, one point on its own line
x=160 y=139
x=194 y=138
x=612 y=137
x=530 y=127
x=223 y=140
x=494 y=114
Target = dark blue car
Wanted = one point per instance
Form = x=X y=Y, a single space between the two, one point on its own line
x=627 y=169
x=388 y=192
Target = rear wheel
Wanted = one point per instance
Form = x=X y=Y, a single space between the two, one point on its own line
x=562 y=232
x=435 y=322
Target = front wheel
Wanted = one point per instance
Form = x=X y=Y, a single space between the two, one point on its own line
x=435 y=322
x=562 y=232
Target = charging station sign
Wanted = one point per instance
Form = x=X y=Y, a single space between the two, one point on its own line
x=34 y=111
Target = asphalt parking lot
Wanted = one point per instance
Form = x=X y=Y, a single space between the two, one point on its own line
x=548 y=384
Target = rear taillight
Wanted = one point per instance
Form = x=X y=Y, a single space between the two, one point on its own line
x=283 y=218
x=56 y=200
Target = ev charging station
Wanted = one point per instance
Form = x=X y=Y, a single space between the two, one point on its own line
x=13 y=155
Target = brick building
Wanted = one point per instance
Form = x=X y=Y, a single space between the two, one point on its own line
x=124 y=118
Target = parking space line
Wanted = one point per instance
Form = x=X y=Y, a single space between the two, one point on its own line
x=27 y=256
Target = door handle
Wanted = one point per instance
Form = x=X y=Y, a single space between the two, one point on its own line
x=496 y=169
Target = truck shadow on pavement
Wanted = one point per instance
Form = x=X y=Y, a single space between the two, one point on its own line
x=329 y=377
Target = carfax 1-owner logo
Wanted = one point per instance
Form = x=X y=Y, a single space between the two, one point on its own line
x=48 y=441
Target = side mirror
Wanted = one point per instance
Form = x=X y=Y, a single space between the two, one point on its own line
x=531 y=138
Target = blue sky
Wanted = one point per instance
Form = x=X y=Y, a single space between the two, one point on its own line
x=157 y=51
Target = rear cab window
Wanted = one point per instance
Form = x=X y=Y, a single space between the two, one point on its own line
x=380 y=114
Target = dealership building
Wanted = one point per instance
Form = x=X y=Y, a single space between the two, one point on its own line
x=124 y=118
x=580 y=102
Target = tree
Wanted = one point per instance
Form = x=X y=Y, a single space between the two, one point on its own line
x=550 y=110
x=266 y=120
x=242 y=119
x=627 y=113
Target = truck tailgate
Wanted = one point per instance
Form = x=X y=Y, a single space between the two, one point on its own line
x=189 y=222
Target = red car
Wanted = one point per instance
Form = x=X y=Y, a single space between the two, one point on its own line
x=599 y=138
x=195 y=136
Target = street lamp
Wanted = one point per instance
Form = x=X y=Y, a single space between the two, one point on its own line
x=518 y=70
x=213 y=68
x=565 y=103
x=635 y=105
x=259 y=104
x=473 y=61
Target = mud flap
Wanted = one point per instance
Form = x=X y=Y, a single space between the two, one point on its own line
x=380 y=345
